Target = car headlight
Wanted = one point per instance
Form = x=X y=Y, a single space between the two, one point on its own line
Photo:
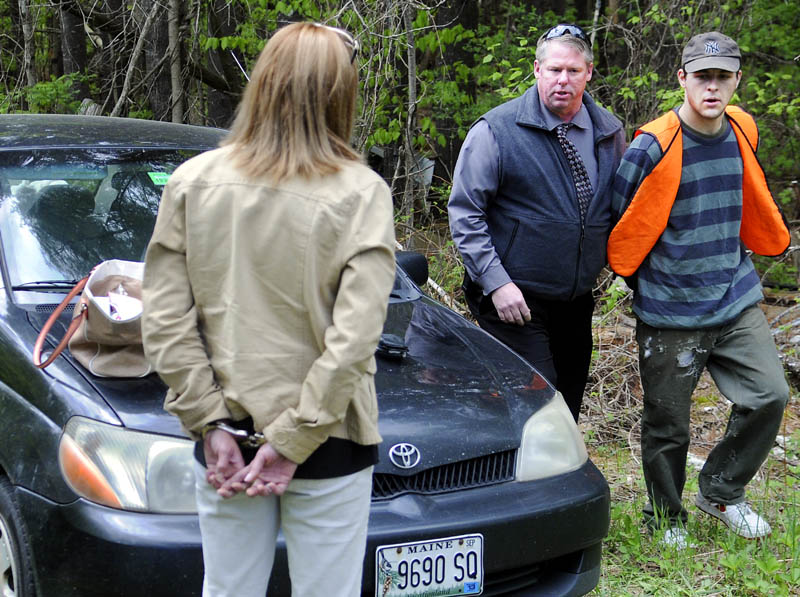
x=126 y=469
x=551 y=443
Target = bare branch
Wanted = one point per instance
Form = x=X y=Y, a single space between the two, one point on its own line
x=154 y=12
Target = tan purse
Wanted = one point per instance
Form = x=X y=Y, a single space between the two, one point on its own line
x=105 y=333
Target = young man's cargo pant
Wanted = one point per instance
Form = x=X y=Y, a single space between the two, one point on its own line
x=743 y=361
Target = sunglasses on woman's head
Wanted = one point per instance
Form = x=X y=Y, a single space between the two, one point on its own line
x=350 y=41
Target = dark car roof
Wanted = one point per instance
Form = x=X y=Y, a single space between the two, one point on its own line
x=21 y=131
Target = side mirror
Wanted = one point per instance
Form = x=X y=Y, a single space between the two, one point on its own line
x=414 y=264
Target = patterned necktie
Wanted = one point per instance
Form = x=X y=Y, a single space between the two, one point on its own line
x=583 y=185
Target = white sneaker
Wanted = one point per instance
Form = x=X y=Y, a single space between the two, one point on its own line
x=676 y=538
x=740 y=518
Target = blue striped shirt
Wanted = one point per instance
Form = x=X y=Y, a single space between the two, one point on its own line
x=698 y=274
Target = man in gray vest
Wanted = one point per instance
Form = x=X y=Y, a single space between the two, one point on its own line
x=530 y=212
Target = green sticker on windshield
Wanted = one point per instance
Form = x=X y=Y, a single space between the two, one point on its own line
x=159 y=178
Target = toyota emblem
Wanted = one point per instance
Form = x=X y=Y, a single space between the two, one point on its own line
x=404 y=455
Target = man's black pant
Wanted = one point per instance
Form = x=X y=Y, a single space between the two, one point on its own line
x=557 y=340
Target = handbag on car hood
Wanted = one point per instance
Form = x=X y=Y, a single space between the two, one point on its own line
x=105 y=333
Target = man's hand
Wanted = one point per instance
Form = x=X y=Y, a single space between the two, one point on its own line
x=510 y=304
x=268 y=473
x=223 y=457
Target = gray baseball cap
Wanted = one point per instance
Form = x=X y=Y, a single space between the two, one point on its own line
x=711 y=50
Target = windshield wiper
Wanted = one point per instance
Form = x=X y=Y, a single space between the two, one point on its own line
x=46 y=285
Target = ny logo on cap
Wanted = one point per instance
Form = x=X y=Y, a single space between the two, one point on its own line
x=712 y=47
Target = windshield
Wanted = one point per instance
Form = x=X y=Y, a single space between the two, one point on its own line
x=64 y=211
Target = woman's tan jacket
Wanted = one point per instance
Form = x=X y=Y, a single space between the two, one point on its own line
x=269 y=301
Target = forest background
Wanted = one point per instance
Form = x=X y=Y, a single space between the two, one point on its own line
x=428 y=69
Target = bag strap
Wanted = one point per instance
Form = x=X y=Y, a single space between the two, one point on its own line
x=73 y=326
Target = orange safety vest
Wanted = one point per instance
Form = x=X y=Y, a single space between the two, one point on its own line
x=763 y=229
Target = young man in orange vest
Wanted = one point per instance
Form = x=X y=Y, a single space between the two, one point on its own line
x=691 y=198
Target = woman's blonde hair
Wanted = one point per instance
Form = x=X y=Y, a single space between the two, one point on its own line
x=296 y=114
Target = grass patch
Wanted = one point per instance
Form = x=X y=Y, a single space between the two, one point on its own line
x=720 y=563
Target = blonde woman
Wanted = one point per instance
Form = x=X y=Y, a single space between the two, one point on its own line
x=266 y=287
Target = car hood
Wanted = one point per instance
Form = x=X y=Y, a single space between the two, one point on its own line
x=456 y=393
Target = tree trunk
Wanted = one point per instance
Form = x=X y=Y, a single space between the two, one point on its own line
x=137 y=52
x=613 y=11
x=73 y=48
x=465 y=13
x=407 y=207
x=109 y=61
x=28 y=66
x=175 y=60
x=221 y=105
x=54 y=66
x=156 y=47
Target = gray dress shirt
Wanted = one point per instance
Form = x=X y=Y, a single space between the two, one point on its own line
x=481 y=184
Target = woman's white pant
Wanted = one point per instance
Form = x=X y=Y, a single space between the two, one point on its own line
x=324 y=522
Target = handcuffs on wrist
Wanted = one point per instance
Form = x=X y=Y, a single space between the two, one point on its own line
x=242 y=437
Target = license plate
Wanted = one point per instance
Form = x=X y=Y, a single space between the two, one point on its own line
x=432 y=568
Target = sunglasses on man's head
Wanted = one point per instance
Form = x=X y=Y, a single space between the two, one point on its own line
x=350 y=41
x=561 y=30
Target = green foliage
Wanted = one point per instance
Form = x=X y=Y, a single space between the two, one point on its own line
x=56 y=96
x=782 y=274
x=669 y=98
x=614 y=295
x=443 y=86
x=771 y=87
x=143 y=113
x=504 y=57
x=446 y=269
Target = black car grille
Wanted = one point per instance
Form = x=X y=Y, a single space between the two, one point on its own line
x=476 y=472
x=558 y=575
x=511 y=582
x=48 y=308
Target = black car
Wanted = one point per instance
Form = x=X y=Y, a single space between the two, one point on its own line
x=484 y=485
